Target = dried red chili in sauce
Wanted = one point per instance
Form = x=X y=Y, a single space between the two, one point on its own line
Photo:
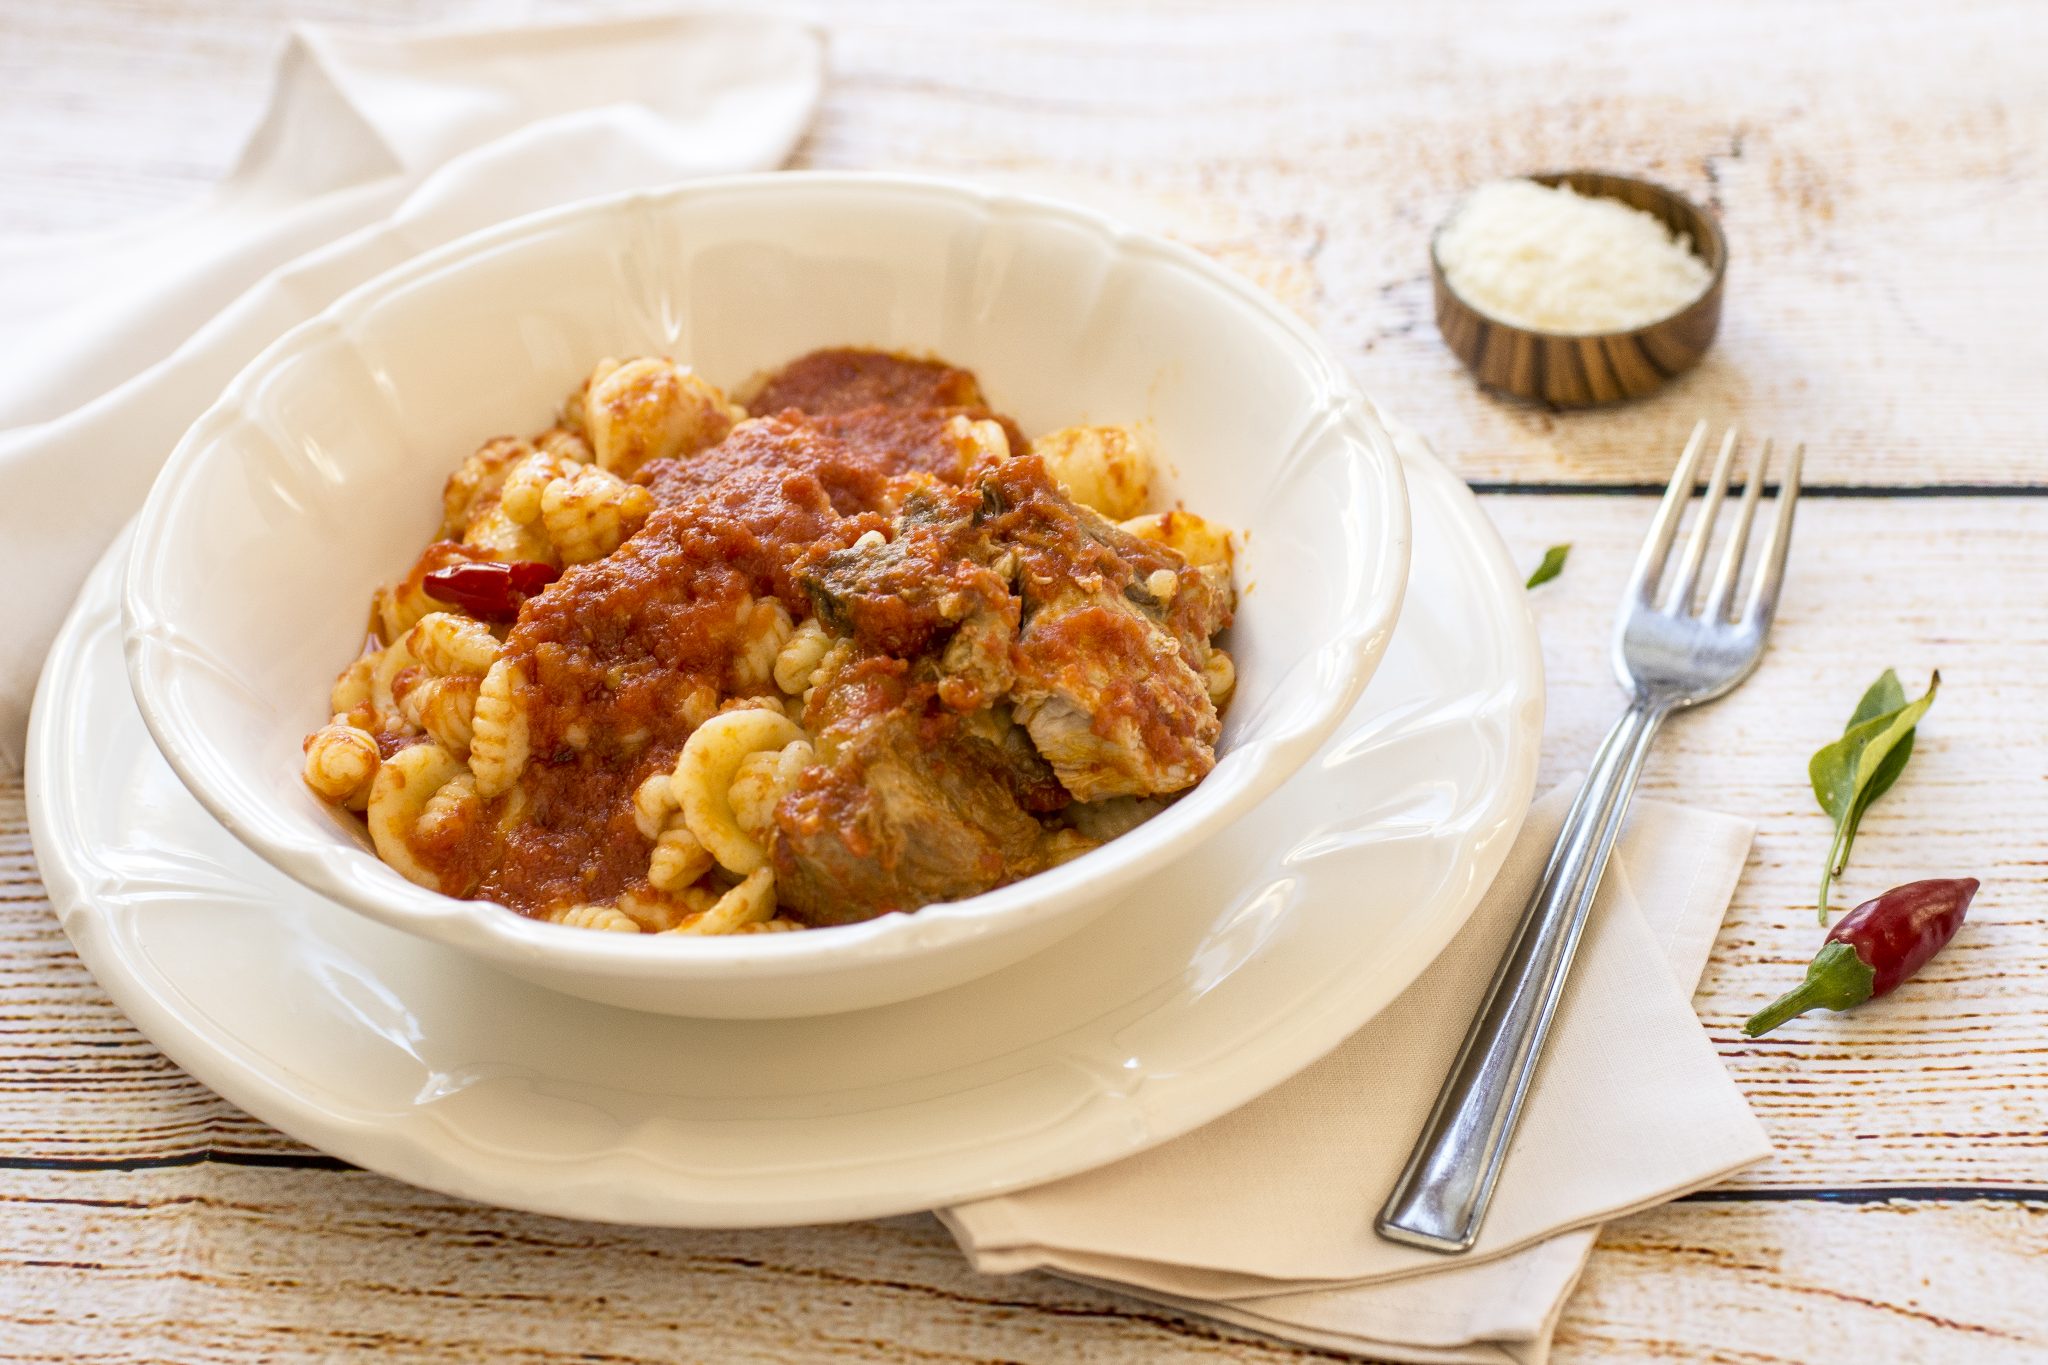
x=491 y=590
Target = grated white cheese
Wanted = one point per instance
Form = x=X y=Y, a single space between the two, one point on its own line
x=1557 y=261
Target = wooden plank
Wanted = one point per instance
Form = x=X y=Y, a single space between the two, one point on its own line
x=1799 y=1283
x=1886 y=283
x=225 y=1264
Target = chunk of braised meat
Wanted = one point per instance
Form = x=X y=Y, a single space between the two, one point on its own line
x=907 y=804
x=1111 y=703
x=1109 y=681
x=1036 y=598
x=1009 y=652
x=932 y=576
x=1004 y=748
x=1194 y=607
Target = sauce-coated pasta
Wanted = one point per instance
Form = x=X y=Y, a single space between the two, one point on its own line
x=849 y=646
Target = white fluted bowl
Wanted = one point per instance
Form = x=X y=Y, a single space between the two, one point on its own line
x=317 y=475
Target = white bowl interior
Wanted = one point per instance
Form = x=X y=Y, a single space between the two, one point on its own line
x=318 y=474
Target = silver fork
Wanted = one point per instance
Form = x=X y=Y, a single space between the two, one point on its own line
x=1669 y=655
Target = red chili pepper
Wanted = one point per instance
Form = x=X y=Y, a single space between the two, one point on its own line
x=1873 y=948
x=490 y=591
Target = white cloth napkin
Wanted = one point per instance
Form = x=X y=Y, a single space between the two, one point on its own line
x=375 y=147
x=1264 y=1217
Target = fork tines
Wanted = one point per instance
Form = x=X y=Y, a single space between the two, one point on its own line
x=1676 y=597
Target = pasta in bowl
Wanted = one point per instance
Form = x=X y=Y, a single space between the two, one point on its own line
x=683 y=665
x=325 y=467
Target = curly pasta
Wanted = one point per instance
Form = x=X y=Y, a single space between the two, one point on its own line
x=979 y=442
x=594 y=917
x=701 y=705
x=445 y=707
x=341 y=763
x=796 y=663
x=751 y=902
x=566 y=444
x=1194 y=539
x=678 y=859
x=761 y=781
x=352 y=688
x=576 y=407
x=1219 y=675
x=652 y=409
x=765 y=628
x=448 y=808
x=396 y=608
x=654 y=801
x=390 y=669
x=1106 y=468
x=499 y=745
x=658 y=911
x=406 y=784
x=589 y=513
x=473 y=503
x=446 y=645
x=704 y=775
x=521 y=497
x=472 y=490
x=500 y=536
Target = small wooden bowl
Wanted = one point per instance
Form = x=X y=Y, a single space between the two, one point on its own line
x=1603 y=367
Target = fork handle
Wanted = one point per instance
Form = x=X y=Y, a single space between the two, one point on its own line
x=1442 y=1195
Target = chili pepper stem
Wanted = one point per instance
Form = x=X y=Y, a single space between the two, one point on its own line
x=1836 y=979
x=1790 y=1005
x=1837 y=856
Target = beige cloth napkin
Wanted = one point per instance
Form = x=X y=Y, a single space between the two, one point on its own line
x=375 y=147
x=1264 y=1218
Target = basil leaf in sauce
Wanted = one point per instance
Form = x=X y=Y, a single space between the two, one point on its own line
x=1862 y=765
x=1551 y=567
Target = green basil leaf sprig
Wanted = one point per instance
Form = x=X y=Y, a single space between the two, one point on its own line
x=1861 y=766
x=1551 y=567
x=1886 y=697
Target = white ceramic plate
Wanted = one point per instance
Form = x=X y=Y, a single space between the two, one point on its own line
x=1205 y=986
x=318 y=474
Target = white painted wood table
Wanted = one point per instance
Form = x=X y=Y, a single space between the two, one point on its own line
x=1881 y=174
